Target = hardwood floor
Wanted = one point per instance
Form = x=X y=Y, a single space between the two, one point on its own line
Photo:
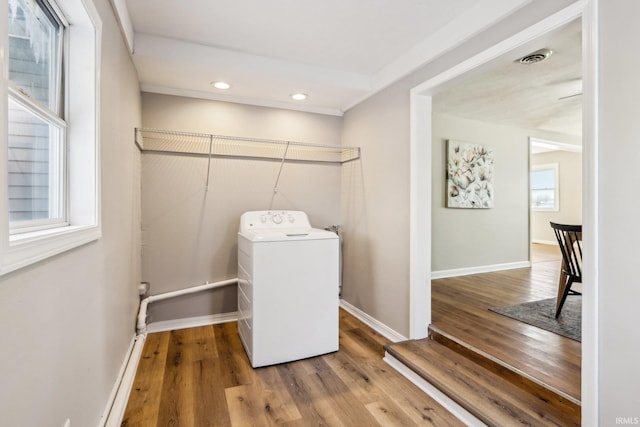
x=202 y=377
x=460 y=308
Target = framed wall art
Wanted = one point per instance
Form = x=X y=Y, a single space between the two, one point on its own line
x=469 y=175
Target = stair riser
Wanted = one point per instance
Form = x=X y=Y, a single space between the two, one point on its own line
x=486 y=388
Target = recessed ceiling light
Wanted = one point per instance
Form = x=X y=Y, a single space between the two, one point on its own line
x=221 y=85
x=299 y=96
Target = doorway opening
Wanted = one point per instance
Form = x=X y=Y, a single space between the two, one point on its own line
x=422 y=142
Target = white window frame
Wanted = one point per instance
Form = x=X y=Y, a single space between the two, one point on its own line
x=543 y=167
x=82 y=100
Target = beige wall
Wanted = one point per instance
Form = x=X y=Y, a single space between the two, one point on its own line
x=67 y=322
x=570 y=191
x=189 y=233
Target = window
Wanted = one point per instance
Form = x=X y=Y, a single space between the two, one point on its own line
x=36 y=126
x=544 y=187
x=49 y=197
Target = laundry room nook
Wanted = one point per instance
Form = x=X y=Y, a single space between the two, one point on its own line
x=302 y=212
x=192 y=204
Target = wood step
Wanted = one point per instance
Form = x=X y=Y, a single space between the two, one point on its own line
x=516 y=376
x=486 y=388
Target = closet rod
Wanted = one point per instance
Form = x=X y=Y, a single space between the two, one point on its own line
x=191 y=143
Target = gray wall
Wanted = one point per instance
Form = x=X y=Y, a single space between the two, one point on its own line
x=375 y=205
x=618 y=151
x=503 y=231
x=68 y=321
x=480 y=237
x=570 y=191
x=189 y=234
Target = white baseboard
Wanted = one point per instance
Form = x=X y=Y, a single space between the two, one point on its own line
x=449 y=404
x=373 y=323
x=441 y=274
x=192 y=322
x=117 y=402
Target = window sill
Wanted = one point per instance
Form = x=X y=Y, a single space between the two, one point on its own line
x=545 y=209
x=28 y=248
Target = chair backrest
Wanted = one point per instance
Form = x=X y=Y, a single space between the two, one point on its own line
x=570 y=242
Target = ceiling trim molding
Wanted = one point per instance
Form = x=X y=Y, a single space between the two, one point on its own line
x=124 y=21
x=239 y=100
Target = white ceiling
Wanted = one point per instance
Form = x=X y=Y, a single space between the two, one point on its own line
x=338 y=52
x=543 y=96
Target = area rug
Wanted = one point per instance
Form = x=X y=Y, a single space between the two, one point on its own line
x=542 y=315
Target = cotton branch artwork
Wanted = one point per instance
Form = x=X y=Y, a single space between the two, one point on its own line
x=469 y=176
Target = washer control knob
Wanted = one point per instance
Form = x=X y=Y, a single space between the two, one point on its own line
x=276 y=218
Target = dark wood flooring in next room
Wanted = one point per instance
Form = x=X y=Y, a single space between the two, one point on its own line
x=460 y=307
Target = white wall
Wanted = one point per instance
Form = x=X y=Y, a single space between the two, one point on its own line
x=569 y=190
x=68 y=321
x=618 y=210
x=189 y=234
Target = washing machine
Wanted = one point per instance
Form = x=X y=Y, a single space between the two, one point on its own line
x=288 y=285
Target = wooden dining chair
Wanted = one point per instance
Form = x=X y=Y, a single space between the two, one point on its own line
x=570 y=242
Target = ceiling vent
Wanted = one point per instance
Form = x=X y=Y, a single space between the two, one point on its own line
x=535 y=57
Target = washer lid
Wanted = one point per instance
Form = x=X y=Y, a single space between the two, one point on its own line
x=285 y=235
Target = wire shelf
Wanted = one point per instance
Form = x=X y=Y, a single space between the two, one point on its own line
x=198 y=144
